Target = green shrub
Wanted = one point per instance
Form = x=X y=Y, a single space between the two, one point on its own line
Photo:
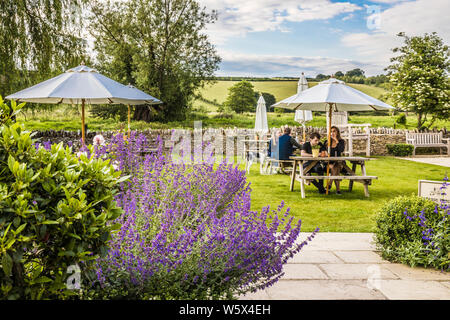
x=401 y=119
x=113 y=111
x=400 y=149
x=279 y=110
x=414 y=231
x=223 y=116
x=55 y=213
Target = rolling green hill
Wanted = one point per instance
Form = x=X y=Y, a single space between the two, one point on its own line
x=280 y=89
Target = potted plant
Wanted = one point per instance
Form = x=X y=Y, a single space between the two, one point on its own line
x=315 y=151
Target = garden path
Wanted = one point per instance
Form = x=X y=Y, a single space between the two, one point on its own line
x=340 y=266
x=440 y=161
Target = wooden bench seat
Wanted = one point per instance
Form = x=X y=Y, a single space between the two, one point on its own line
x=428 y=140
x=339 y=177
x=365 y=180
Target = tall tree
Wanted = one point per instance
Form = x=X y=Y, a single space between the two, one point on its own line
x=241 y=97
x=39 y=38
x=419 y=78
x=159 y=46
x=355 y=73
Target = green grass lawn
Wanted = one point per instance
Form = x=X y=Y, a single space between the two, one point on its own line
x=352 y=211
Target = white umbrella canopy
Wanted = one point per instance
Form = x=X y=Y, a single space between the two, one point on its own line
x=261 y=116
x=337 y=93
x=82 y=85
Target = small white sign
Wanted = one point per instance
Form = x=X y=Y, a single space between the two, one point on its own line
x=432 y=190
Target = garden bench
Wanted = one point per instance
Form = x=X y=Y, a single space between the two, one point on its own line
x=427 y=139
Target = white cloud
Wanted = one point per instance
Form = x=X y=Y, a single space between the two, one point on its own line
x=237 y=17
x=413 y=18
x=236 y=64
x=348 y=17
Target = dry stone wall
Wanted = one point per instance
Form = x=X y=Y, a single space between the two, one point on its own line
x=379 y=137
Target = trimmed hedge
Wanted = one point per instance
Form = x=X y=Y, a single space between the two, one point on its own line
x=400 y=149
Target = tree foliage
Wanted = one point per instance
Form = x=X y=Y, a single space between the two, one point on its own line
x=40 y=38
x=241 y=97
x=419 y=78
x=355 y=73
x=157 y=45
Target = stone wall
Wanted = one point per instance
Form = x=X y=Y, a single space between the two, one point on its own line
x=379 y=137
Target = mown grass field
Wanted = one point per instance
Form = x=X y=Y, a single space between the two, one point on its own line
x=280 y=89
x=351 y=211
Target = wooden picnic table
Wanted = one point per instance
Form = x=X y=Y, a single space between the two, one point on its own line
x=352 y=177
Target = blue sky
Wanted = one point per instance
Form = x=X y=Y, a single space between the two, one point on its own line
x=287 y=37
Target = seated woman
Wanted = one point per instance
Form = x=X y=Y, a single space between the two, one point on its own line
x=337 y=148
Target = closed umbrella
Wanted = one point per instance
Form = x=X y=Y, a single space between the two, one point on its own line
x=301 y=116
x=334 y=95
x=261 y=116
x=81 y=85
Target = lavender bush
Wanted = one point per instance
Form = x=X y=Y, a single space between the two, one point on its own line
x=415 y=231
x=188 y=231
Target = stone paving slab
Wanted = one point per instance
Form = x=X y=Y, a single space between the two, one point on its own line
x=317 y=290
x=359 y=256
x=303 y=272
x=311 y=256
x=418 y=273
x=349 y=271
x=414 y=290
x=333 y=241
x=335 y=266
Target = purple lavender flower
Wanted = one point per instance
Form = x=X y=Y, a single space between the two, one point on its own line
x=192 y=221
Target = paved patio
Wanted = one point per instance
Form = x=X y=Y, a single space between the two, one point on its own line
x=437 y=160
x=337 y=266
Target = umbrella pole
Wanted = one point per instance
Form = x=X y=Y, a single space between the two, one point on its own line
x=304 y=132
x=329 y=145
x=83 y=134
x=129 y=117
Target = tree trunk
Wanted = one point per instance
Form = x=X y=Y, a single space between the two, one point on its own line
x=419 y=120
x=142 y=113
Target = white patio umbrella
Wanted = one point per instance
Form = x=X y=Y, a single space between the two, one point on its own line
x=81 y=85
x=261 y=116
x=301 y=116
x=334 y=95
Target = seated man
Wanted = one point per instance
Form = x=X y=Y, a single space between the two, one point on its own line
x=283 y=149
x=314 y=140
x=286 y=144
